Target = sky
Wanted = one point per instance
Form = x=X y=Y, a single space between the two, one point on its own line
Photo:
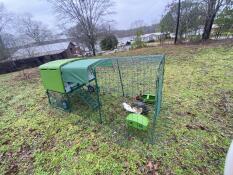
x=126 y=11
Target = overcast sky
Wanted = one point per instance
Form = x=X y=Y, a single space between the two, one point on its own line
x=127 y=11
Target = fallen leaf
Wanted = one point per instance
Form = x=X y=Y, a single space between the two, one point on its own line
x=150 y=165
x=157 y=165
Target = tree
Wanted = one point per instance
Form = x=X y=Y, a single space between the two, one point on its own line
x=167 y=23
x=77 y=35
x=5 y=19
x=80 y=38
x=137 y=26
x=212 y=8
x=137 y=29
x=224 y=21
x=9 y=40
x=109 y=42
x=177 y=22
x=191 y=17
x=3 y=50
x=7 y=44
x=86 y=14
x=138 y=43
x=32 y=29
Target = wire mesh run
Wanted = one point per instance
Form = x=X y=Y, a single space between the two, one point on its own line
x=136 y=81
x=128 y=80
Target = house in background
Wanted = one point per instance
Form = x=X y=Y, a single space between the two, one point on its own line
x=47 y=52
x=36 y=55
x=152 y=37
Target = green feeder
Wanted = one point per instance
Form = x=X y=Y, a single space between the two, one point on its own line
x=148 y=98
x=137 y=121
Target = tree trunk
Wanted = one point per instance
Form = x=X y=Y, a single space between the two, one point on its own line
x=208 y=26
x=177 y=22
x=93 y=49
x=213 y=7
x=3 y=54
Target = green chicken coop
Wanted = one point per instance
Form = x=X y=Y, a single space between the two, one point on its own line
x=63 y=77
x=102 y=84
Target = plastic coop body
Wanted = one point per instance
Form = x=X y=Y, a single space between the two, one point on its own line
x=62 y=75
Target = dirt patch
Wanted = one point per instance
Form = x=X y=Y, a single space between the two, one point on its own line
x=1 y=113
x=151 y=167
x=25 y=152
x=27 y=74
x=215 y=148
x=225 y=103
x=184 y=51
x=197 y=126
x=8 y=98
x=13 y=169
x=224 y=113
x=184 y=113
x=210 y=43
x=20 y=109
x=22 y=156
x=7 y=142
x=48 y=144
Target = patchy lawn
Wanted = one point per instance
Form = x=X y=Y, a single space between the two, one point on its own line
x=193 y=132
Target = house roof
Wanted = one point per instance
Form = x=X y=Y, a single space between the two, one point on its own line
x=42 y=50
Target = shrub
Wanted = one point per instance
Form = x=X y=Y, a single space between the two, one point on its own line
x=109 y=42
x=138 y=43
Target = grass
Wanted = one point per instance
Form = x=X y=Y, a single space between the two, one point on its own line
x=193 y=132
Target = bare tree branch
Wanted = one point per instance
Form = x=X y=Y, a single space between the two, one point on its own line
x=5 y=17
x=87 y=14
x=34 y=30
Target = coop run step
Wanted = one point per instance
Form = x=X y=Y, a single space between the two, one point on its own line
x=88 y=99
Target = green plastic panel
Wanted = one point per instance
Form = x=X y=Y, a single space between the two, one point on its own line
x=56 y=64
x=51 y=79
x=51 y=74
x=137 y=121
x=148 y=98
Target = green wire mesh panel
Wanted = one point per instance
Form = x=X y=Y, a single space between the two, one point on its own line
x=126 y=79
x=128 y=76
x=59 y=100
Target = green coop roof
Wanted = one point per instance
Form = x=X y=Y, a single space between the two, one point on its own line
x=78 y=71
x=56 y=64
